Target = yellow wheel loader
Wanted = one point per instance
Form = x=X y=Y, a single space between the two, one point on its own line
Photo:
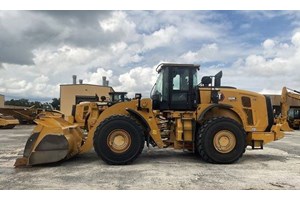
x=8 y=122
x=283 y=119
x=214 y=121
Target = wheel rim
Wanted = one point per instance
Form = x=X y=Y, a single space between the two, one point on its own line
x=119 y=141
x=224 y=141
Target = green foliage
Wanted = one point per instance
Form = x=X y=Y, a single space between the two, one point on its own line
x=26 y=103
x=23 y=102
x=56 y=103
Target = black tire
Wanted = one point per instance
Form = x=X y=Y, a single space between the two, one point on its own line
x=8 y=126
x=206 y=140
x=127 y=126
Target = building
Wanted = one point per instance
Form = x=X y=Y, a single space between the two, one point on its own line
x=72 y=94
x=275 y=99
x=2 y=100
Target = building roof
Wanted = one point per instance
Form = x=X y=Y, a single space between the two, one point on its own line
x=83 y=85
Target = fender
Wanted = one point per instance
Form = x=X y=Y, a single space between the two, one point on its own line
x=226 y=106
x=143 y=122
x=139 y=117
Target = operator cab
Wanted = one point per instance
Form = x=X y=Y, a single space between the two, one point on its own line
x=175 y=87
x=118 y=96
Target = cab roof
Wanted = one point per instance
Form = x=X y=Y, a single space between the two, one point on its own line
x=163 y=65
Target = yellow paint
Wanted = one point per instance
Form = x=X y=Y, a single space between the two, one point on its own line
x=260 y=119
x=266 y=137
x=120 y=109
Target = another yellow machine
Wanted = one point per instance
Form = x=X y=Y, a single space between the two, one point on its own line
x=81 y=112
x=285 y=107
x=217 y=122
x=294 y=118
x=7 y=122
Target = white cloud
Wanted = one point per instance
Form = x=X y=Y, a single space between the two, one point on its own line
x=264 y=74
x=19 y=82
x=121 y=24
x=119 y=47
x=62 y=60
x=208 y=52
x=261 y=67
x=163 y=37
x=113 y=23
x=296 y=39
x=137 y=80
x=125 y=53
x=268 y=44
x=96 y=77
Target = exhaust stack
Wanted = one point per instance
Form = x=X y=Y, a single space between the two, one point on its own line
x=104 y=81
x=74 y=79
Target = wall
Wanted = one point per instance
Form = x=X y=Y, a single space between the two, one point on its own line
x=2 y=99
x=276 y=101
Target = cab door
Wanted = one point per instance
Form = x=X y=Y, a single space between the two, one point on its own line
x=181 y=89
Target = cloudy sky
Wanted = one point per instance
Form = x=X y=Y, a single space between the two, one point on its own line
x=39 y=50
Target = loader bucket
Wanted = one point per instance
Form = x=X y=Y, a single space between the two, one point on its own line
x=8 y=122
x=52 y=140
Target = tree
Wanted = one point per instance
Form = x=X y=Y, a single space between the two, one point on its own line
x=55 y=103
x=23 y=102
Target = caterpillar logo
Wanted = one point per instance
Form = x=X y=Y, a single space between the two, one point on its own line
x=221 y=96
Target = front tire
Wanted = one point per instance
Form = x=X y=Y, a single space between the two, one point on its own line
x=221 y=140
x=119 y=140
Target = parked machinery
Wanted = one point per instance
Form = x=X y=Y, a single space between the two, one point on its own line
x=284 y=118
x=217 y=122
x=7 y=122
x=294 y=118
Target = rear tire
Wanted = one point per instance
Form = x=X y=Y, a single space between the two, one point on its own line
x=119 y=140
x=221 y=140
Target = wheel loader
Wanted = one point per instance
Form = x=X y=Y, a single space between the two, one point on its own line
x=7 y=122
x=211 y=120
x=283 y=119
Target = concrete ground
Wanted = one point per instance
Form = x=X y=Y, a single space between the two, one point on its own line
x=275 y=167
